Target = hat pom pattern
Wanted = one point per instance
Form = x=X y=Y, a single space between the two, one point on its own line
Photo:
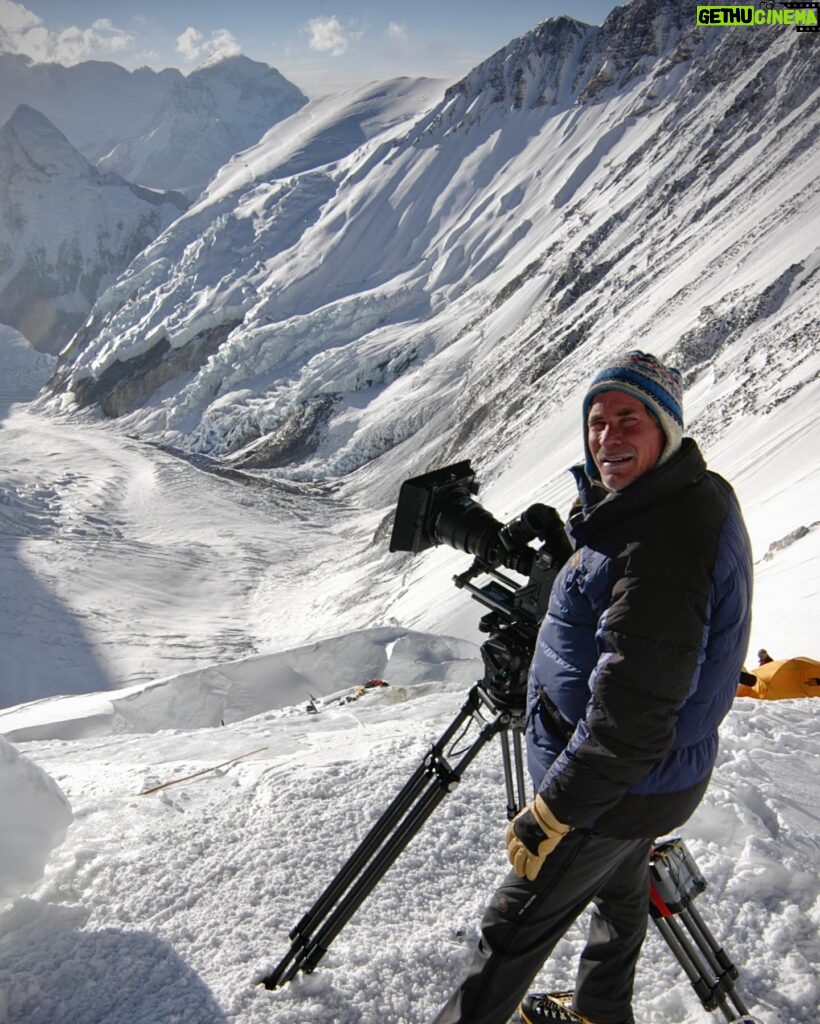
x=646 y=378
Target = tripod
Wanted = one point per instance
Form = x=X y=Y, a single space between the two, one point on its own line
x=675 y=879
x=495 y=705
x=437 y=775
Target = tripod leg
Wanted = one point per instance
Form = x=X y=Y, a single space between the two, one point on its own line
x=301 y=932
x=706 y=986
x=724 y=969
x=513 y=770
x=446 y=778
x=674 y=884
x=347 y=907
x=428 y=785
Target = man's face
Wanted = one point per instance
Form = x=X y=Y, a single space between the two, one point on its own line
x=624 y=438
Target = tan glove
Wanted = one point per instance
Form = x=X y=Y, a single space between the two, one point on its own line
x=532 y=835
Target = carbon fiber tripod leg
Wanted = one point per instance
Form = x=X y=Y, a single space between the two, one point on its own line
x=703 y=981
x=513 y=770
x=432 y=780
x=722 y=967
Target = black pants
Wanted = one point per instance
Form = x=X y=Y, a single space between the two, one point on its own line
x=525 y=920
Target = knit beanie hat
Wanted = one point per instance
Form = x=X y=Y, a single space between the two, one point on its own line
x=645 y=377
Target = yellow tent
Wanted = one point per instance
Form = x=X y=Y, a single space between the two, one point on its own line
x=778 y=680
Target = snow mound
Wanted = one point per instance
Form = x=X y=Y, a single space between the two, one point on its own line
x=34 y=816
x=231 y=692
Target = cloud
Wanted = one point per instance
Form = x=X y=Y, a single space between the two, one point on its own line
x=396 y=32
x=193 y=46
x=23 y=31
x=328 y=36
x=189 y=43
x=15 y=17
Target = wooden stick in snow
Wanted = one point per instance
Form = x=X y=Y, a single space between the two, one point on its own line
x=204 y=771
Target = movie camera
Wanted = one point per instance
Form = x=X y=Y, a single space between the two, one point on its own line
x=439 y=508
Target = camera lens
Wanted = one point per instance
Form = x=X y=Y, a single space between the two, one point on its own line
x=464 y=524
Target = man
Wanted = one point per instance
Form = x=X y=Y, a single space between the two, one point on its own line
x=636 y=664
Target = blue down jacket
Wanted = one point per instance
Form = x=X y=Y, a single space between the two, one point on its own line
x=641 y=650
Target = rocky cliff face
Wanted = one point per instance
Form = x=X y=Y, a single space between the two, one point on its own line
x=66 y=230
x=563 y=61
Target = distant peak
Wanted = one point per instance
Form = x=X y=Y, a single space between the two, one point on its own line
x=562 y=21
x=224 y=58
x=30 y=123
x=44 y=144
x=234 y=63
x=26 y=115
x=242 y=71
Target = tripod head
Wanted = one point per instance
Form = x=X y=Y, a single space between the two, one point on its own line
x=438 y=508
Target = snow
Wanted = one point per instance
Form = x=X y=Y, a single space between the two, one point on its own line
x=34 y=816
x=173 y=904
x=23 y=370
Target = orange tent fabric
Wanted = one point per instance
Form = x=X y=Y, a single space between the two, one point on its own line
x=780 y=680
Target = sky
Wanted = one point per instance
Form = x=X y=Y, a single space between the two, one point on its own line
x=322 y=46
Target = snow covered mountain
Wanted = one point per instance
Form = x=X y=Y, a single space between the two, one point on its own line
x=218 y=110
x=447 y=283
x=372 y=291
x=66 y=229
x=159 y=129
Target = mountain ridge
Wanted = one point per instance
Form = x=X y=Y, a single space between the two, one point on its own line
x=116 y=118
